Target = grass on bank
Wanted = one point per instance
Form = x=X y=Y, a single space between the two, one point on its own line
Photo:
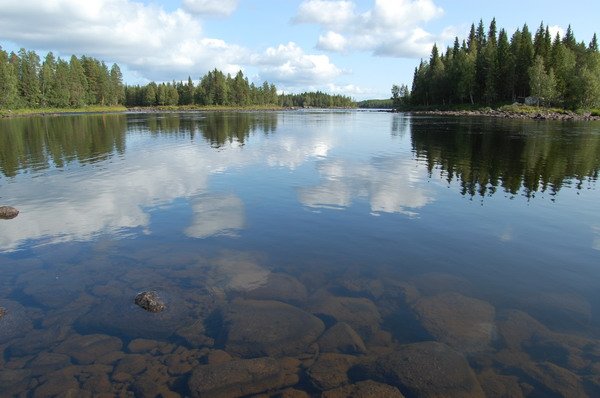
x=46 y=111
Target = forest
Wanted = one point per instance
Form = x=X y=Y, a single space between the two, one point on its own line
x=26 y=81
x=488 y=68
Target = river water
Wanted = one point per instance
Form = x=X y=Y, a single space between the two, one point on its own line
x=300 y=253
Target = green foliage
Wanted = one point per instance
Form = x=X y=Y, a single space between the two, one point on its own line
x=489 y=68
x=316 y=99
x=376 y=104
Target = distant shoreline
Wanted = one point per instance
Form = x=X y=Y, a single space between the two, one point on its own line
x=540 y=114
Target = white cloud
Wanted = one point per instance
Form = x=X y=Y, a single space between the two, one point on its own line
x=390 y=28
x=554 y=29
x=332 y=41
x=210 y=7
x=287 y=63
x=150 y=42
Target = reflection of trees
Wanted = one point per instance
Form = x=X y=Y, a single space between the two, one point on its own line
x=40 y=142
x=217 y=128
x=486 y=154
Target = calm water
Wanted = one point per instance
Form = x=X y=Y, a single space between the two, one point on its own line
x=300 y=253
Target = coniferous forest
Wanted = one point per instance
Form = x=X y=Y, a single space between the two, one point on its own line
x=490 y=68
x=26 y=81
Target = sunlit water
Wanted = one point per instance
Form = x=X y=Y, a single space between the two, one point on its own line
x=333 y=243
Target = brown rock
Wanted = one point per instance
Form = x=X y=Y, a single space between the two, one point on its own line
x=428 y=369
x=132 y=364
x=464 y=323
x=291 y=393
x=501 y=386
x=8 y=213
x=341 y=338
x=140 y=346
x=331 y=370
x=258 y=328
x=150 y=301
x=86 y=349
x=236 y=378
x=364 y=389
x=280 y=287
x=216 y=357
x=14 y=322
x=47 y=362
x=360 y=313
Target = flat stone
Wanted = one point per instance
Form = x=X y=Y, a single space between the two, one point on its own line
x=8 y=212
x=15 y=322
x=150 y=301
x=464 y=323
x=269 y=328
x=279 y=287
x=360 y=313
x=216 y=357
x=495 y=385
x=330 y=370
x=341 y=338
x=139 y=346
x=86 y=349
x=47 y=362
x=364 y=389
x=428 y=369
x=237 y=378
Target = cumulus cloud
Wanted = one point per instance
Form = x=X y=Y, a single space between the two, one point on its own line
x=289 y=64
x=216 y=215
x=390 y=28
x=210 y=7
x=151 y=42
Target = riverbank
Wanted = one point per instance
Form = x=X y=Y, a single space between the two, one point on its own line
x=516 y=112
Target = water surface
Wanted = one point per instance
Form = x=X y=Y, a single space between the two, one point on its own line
x=325 y=244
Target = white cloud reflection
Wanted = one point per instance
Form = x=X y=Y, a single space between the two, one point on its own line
x=216 y=215
x=82 y=203
x=390 y=184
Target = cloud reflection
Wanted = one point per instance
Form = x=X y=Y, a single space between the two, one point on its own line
x=391 y=185
x=216 y=215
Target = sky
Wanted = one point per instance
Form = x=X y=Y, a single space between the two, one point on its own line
x=352 y=47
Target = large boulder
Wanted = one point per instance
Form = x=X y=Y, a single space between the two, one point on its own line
x=331 y=370
x=358 y=312
x=427 y=369
x=238 y=378
x=85 y=350
x=268 y=328
x=279 y=287
x=14 y=322
x=464 y=323
x=364 y=389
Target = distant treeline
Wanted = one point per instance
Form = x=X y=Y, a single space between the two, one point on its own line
x=489 y=68
x=376 y=104
x=28 y=82
x=316 y=99
x=215 y=88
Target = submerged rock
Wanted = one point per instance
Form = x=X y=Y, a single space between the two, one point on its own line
x=341 y=338
x=331 y=370
x=150 y=301
x=427 y=369
x=269 y=328
x=238 y=378
x=2 y=312
x=464 y=323
x=8 y=213
x=14 y=322
x=360 y=313
x=364 y=389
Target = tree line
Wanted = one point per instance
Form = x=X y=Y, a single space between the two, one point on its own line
x=28 y=82
x=489 y=68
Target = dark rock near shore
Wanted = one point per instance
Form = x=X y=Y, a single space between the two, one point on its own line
x=238 y=378
x=331 y=370
x=8 y=213
x=427 y=369
x=269 y=328
x=150 y=301
x=358 y=312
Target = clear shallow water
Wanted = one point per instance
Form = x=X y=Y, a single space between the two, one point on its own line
x=331 y=242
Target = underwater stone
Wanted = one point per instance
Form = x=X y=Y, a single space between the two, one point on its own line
x=150 y=301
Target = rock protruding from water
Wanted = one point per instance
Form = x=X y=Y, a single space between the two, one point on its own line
x=238 y=378
x=428 y=369
x=8 y=213
x=150 y=301
x=269 y=328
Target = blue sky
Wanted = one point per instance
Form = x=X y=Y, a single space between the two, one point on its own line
x=354 y=47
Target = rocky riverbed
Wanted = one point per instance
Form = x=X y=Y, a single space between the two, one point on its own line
x=427 y=335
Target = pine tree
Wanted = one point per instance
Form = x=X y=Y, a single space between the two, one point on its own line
x=116 y=89
x=29 y=84
x=78 y=83
x=9 y=88
x=47 y=76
